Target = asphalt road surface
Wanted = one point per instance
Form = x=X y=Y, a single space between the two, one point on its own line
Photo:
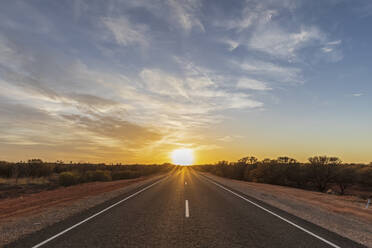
x=184 y=209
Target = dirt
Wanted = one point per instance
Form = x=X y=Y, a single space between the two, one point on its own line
x=13 y=191
x=32 y=212
x=345 y=215
x=30 y=203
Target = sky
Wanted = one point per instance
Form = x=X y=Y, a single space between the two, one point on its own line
x=130 y=81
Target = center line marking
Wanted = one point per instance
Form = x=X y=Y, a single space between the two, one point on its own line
x=187 y=214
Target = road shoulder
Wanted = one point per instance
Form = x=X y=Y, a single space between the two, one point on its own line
x=37 y=211
x=303 y=204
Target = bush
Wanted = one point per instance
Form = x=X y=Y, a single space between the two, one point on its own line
x=68 y=178
x=5 y=169
x=365 y=176
x=345 y=177
x=125 y=174
x=98 y=175
x=322 y=171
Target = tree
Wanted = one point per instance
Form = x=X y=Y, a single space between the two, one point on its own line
x=365 y=175
x=322 y=170
x=286 y=160
x=345 y=177
x=248 y=160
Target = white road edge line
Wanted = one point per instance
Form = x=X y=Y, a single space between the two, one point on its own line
x=187 y=213
x=276 y=215
x=96 y=214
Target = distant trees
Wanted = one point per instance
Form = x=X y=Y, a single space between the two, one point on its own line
x=69 y=174
x=345 y=176
x=320 y=173
x=322 y=170
x=248 y=160
x=365 y=175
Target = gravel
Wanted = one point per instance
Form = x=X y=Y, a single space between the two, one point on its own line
x=15 y=227
x=344 y=215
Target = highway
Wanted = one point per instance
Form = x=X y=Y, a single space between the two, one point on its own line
x=184 y=209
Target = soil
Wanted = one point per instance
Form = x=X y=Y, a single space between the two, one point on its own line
x=342 y=214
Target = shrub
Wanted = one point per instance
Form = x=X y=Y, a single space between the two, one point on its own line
x=365 y=176
x=125 y=174
x=68 y=178
x=345 y=177
x=5 y=169
x=98 y=175
x=322 y=171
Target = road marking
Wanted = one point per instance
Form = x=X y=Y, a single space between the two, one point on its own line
x=187 y=213
x=96 y=214
x=276 y=215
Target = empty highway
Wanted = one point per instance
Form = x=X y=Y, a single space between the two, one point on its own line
x=184 y=209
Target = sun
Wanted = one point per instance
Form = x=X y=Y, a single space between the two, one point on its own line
x=184 y=156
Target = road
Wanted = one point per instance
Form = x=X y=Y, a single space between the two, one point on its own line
x=184 y=209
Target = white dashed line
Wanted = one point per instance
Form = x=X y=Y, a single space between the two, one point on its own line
x=187 y=213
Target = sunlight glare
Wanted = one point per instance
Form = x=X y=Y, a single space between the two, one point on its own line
x=184 y=156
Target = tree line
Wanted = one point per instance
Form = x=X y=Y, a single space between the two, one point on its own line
x=319 y=173
x=67 y=174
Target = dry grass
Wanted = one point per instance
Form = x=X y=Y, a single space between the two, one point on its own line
x=25 y=181
x=30 y=203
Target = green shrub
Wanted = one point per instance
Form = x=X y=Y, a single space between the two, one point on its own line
x=98 y=175
x=68 y=178
x=125 y=174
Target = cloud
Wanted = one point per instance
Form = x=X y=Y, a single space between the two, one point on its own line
x=194 y=93
x=272 y=72
x=240 y=101
x=357 y=94
x=161 y=83
x=333 y=43
x=283 y=44
x=332 y=51
x=226 y=138
x=252 y=84
x=230 y=138
x=330 y=46
x=251 y=15
x=232 y=44
x=181 y=14
x=115 y=130
x=125 y=32
x=91 y=101
x=87 y=95
x=184 y=13
x=260 y=28
x=33 y=22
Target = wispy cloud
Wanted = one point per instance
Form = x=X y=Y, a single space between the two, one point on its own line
x=283 y=44
x=251 y=15
x=252 y=84
x=126 y=33
x=184 y=13
x=181 y=14
x=232 y=44
x=272 y=72
x=357 y=94
x=129 y=77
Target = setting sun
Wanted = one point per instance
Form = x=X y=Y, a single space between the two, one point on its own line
x=184 y=156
